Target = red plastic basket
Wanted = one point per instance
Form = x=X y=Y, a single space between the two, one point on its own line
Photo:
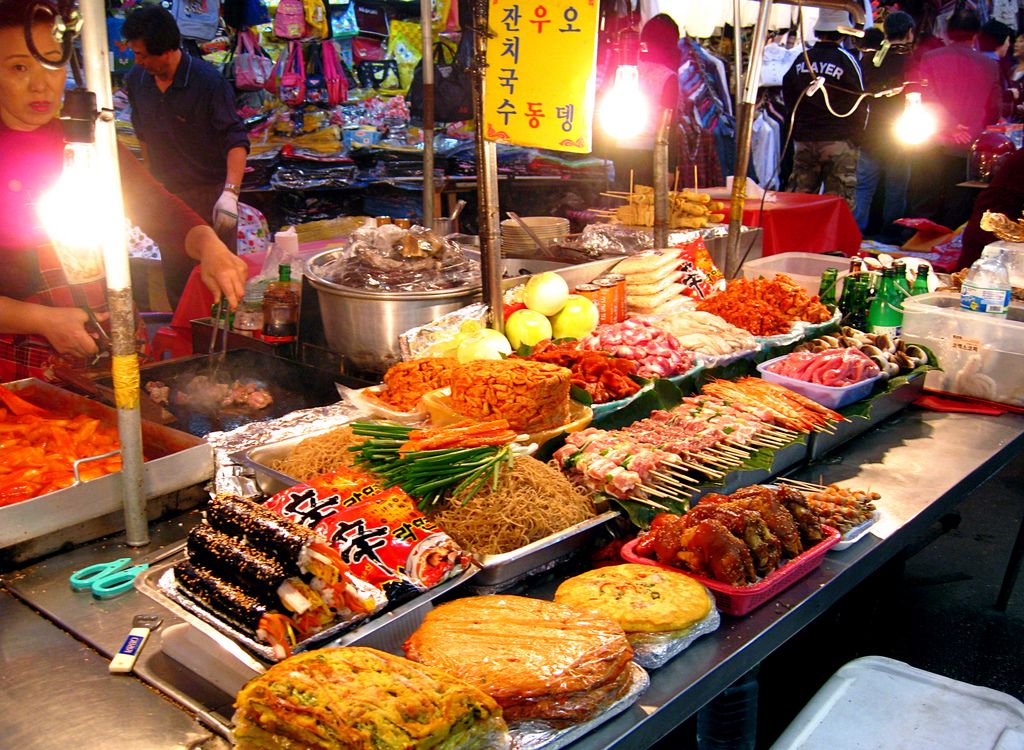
x=739 y=600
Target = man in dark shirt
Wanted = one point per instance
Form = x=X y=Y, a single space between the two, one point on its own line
x=879 y=154
x=825 y=137
x=963 y=87
x=183 y=112
x=1004 y=195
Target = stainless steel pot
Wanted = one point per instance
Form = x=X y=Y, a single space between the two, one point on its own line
x=364 y=326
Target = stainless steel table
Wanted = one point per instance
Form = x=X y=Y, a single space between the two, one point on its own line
x=922 y=463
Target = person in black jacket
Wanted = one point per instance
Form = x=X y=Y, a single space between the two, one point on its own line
x=825 y=131
x=879 y=154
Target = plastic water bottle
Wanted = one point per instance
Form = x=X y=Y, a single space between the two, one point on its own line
x=986 y=289
x=729 y=722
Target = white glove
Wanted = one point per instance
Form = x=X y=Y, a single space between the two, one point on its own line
x=225 y=212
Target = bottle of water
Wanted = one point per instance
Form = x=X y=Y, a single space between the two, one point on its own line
x=729 y=721
x=986 y=289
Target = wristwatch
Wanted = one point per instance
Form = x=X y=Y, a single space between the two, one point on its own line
x=232 y=187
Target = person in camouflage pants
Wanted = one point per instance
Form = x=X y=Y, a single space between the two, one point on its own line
x=833 y=163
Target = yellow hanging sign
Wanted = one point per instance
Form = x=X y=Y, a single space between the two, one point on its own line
x=540 y=73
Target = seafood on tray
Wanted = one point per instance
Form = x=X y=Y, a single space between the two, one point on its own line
x=766 y=307
x=39 y=448
x=657 y=353
x=894 y=356
x=835 y=368
x=669 y=454
x=734 y=539
x=705 y=334
x=604 y=377
x=839 y=507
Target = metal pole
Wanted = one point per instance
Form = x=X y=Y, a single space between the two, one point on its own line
x=745 y=124
x=426 y=24
x=486 y=179
x=661 y=179
x=737 y=51
x=124 y=360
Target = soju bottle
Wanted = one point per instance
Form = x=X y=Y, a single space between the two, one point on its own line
x=855 y=292
x=902 y=283
x=827 y=289
x=885 y=314
x=921 y=282
x=856 y=266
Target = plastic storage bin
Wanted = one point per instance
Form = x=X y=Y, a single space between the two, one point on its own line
x=980 y=356
x=875 y=703
x=1013 y=252
x=804 y=268
x=833 y=398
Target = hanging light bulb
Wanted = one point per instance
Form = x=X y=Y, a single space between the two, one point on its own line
x=624 y=110
x=72 y=211
x=917 y=124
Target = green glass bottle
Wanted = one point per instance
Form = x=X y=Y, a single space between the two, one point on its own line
x=885 y=314
x=855 y=292
x=902 y=283
x=827 y=289
x=921 y=282
x=856 y=266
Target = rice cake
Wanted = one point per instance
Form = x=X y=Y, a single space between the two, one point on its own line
x=640 y=598
x=537 y=659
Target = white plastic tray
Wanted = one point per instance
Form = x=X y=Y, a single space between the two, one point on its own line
x=857 y=533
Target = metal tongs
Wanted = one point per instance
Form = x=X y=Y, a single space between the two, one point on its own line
x=103 y=344
x=220 y=325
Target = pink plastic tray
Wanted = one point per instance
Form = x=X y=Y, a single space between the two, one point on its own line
x=739 y=600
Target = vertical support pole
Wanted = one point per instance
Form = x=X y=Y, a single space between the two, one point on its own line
x=124 y=360
x=737 y=51
x=745 y=123
x=487 y=179
x=661 y=179
x=426 y=25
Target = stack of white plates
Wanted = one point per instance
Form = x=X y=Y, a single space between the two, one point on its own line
x=547 y=228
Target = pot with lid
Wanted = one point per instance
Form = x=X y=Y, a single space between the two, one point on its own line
x=364 y=324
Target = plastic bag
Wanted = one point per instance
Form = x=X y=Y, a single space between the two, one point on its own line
x=654 y=650
x=701 y=277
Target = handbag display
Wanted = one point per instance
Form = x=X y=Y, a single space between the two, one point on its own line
x=453 y=85
x=252 y=66
x=381 y=75
x=290 y=20
x=334 y=74
x=316 y=85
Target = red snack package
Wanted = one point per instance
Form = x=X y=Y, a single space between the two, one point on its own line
x=380 y=534
x=701 y=276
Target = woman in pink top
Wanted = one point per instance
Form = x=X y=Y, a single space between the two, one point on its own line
x=40 y=313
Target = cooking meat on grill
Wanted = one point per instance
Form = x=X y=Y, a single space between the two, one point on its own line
x=159 y=392
x=207 y=395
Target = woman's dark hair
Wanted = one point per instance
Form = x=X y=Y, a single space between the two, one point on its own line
x=12 y=13
x=898 y=24
x=155 y=26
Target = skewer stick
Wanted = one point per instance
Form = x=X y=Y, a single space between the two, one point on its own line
x=656 y=492
x=631 y=184
x=667 y=479
x=645 y=501
x=694 y=176
x=675 y=184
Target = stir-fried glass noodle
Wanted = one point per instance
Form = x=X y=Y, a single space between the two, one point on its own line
x=533 y=500
x=320 y=454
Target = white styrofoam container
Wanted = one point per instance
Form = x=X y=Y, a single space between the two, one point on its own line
x=875 y=703
x=804 y=268
x=980 y=355
x=1013 y=253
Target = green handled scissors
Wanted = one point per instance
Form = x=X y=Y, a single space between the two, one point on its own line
x=107 y=580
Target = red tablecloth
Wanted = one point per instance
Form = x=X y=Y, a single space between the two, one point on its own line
x=799 y=222
x=176 y=339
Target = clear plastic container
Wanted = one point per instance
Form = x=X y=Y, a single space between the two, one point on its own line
x=986 y=290
x=804 y=268
x=980 y=355
x=1013 y=256
x=828 y=396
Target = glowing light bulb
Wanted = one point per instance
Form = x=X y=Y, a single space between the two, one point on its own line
x=73 y=212
x=917 y=123
x=624 y=110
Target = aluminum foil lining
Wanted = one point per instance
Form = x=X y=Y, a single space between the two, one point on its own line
x=533 y=735
x=428 y=340
x=231 y=478
x=604 y=240
x=653 y=650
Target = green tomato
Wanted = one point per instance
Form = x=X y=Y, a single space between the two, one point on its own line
x=486 y=344
x=527 y=327
x=576 y=319
x=546 y=293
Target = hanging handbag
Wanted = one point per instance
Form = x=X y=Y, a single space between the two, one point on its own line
x=381 y=75
x=197 y=19
x=252 y=64
x=316 y=85
x=453 y=85
x=334 y=74
x=367 y=48
x=290 y=20
x=293 y=76
x=317 y=24
x=273 y=84
x=242 y=14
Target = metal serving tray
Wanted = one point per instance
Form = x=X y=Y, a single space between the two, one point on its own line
x=883 y=408
x=785 y=458
x=496 y=571
x=387 y=630
x=178 y=460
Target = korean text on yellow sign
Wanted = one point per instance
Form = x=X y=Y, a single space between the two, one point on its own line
x=540 y=73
